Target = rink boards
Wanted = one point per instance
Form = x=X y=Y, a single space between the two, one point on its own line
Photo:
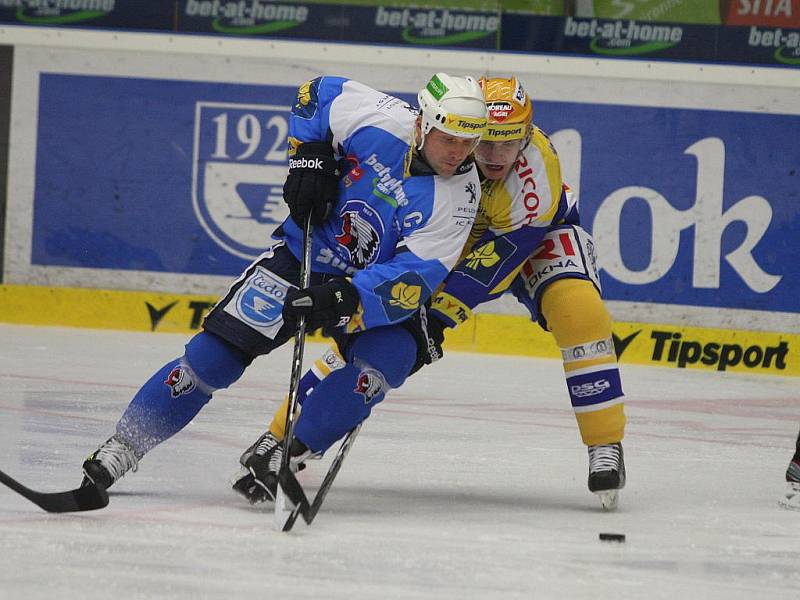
x=636 y=343
x=156 y=162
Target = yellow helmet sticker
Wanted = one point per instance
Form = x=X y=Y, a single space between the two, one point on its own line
x=461 y=124
x=501 y=133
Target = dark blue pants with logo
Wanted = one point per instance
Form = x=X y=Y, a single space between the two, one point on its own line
x=246 y=323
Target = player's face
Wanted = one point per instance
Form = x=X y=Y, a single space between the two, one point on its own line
x=445 y=152
x=495 y=159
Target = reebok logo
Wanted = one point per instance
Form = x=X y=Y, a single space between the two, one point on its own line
x=305 y=163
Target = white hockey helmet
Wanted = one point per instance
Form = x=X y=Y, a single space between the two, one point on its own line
x=454 y=105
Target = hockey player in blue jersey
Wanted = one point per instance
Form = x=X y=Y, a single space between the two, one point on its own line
x=392 y=192
x=526 y=237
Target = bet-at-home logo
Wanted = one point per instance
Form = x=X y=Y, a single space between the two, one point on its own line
x=248 y=17
x=624 y=37
x=438 y=26
x=238 y=171
x=59 y=12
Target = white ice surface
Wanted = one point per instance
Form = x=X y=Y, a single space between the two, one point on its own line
x=467 y=483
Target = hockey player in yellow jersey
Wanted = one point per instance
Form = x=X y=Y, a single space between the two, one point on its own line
x=526 y=238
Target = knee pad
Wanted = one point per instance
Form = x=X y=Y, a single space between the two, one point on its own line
x=575 y=313
x=391 y=351
x=214 y=361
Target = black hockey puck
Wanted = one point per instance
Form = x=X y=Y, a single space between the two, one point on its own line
x=612 y=537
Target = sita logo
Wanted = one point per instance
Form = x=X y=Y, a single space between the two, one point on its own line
x=238 y=170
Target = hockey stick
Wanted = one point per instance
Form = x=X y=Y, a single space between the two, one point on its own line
x=294 y=491
x=90 y=497
x=283 y=512
x=333 y=470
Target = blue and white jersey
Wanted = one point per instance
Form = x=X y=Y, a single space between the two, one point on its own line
x=397 y=228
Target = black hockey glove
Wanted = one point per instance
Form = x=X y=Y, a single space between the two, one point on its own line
x=428 y=331
x=328 y=305
x=312 y=186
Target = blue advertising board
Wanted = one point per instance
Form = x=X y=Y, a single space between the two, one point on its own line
x=622 y=38
x=89 y=13
x=401 y=25
x=690 y=207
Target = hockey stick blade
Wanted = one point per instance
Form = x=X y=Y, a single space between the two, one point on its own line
x=90 y=497
x=333 y=470
x=289 y=489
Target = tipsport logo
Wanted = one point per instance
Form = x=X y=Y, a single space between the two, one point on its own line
x=60 y=12
x=623 y=38
x=238 y=171
x=438 y=26
x=240 y=17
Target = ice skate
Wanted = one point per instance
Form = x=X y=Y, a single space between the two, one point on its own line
x=791 y=495
x=110 y=462
x=257 y=480
x=606 y=473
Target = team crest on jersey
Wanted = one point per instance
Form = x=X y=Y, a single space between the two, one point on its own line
x=238 y=171
x=484 y=262
x=307 y=99
x=180 y=381
x=259 y=302
x=370 y=383
x=362 y=231
x=402 y=295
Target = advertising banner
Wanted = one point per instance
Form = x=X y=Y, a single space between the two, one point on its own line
x=688 y=207
x=769 y=13
x=665 y=345
x=89 y=13
x=195 y=187
x=344 y=22
x=761 y=45
x=656 y=40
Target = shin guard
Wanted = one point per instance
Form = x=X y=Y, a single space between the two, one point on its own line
x=581 y=325
x=378 y=360
x=172 y=397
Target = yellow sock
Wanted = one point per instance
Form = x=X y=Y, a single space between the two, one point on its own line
x=323 y=366
x=581 y=325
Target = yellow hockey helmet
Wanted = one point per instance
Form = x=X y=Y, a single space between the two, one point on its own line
x=510 y=110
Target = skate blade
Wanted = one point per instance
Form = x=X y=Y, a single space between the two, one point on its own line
x=791 y=497
x=608 y=499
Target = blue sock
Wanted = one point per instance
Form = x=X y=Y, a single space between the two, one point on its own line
x=378 y=360
x=172 y=397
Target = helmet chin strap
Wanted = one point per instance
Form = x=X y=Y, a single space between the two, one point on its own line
x=419 y=134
